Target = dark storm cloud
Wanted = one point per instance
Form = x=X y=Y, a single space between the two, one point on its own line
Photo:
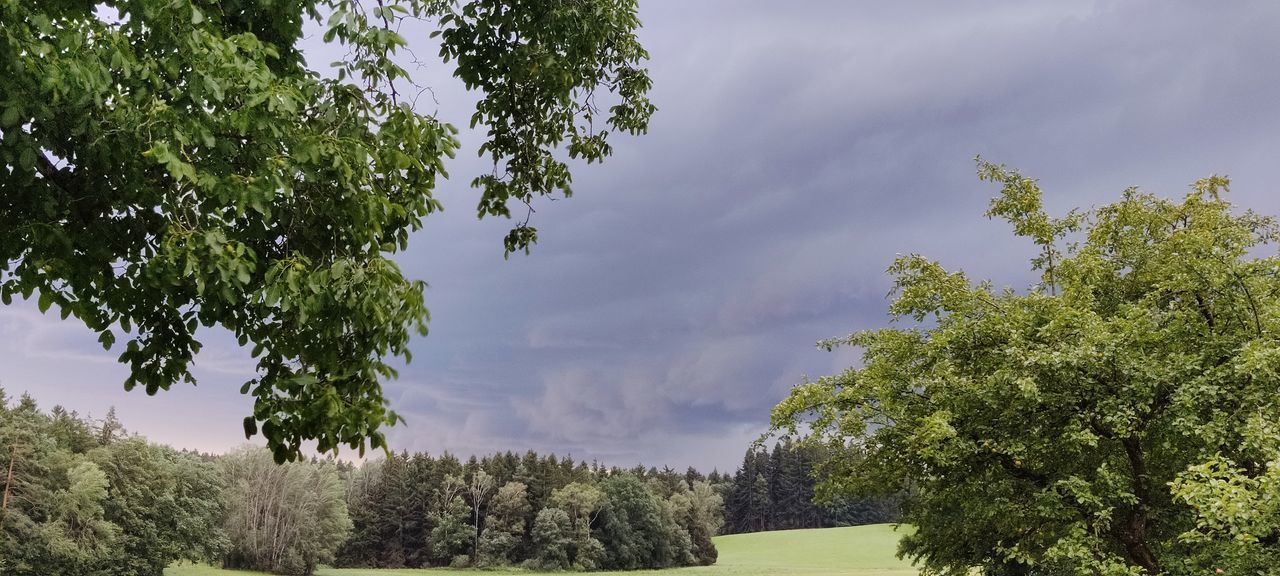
x=799 y=146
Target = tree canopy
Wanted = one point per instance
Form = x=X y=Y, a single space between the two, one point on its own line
x=80 y=497
x=83 y=497
x=176 y=164
x=1115 y=418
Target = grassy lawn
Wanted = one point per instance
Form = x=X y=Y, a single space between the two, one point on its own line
x=855 y=551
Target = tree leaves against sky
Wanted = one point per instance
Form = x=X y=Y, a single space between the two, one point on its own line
x=1103 y=421
x=175 y=164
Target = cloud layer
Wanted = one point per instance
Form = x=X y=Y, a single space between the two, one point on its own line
x=798 y=148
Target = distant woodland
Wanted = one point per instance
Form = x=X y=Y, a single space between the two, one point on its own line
x=776 y=490
x=82 y=496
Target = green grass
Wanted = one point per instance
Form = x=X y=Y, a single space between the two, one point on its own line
x=858 y=550
x=855 y=551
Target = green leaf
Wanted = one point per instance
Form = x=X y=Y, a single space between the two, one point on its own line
x=10 y=117
x=27 y=159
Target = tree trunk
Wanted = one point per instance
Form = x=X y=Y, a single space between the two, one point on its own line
x=1133 y=534
x=475 y=542
x=8 y=481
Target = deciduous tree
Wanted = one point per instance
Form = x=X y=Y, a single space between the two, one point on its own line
x=504 y=526
x=78 y=506
x=700 y=512
x=479 y=489
x=1115 y=418
x=552 y=540
x=175 y=164
x=583 y=503
x=282 y=519
x=450 y=535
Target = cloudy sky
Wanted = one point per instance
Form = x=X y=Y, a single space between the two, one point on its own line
x=799 y=146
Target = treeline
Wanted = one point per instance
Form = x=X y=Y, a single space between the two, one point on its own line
x=539 y=512
x=82 y=498
x=774 y=490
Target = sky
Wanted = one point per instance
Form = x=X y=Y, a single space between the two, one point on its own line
x=799 y=147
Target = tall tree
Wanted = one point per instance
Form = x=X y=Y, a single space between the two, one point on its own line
x=387 y=516
x=168 y=506
x=172 y=164
x=450 y=534
x=504 y=526
x=1102 y=421
x=479 y=489
x=583 y=503
x=637 y=529
x=552 y=540
x=699 y=511
x=79 y=508
x=283 y=519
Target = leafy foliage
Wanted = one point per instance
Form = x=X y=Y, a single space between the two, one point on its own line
x=80 y=498
x=504 y=526
x=174 y=164
x=548 y=513
x=450 y=535
x=86 y=498
x=285 y=519
x=582 y=503
x=1112 y=419
x=699 y=510
x=636 y=530
x=553 y=540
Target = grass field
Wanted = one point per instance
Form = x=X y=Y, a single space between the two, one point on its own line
x=855 y=551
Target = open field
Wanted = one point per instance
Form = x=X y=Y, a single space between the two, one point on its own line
x=855 y=551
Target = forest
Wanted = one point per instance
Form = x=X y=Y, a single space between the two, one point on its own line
x=779 y=489
x=83 y=496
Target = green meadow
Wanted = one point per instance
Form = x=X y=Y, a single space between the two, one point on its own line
x=853 y=551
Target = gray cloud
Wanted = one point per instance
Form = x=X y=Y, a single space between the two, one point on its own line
x=798 y=148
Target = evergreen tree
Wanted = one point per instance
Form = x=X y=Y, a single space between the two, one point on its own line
x=758 y=514
x=364 y=548
x=776 y=490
